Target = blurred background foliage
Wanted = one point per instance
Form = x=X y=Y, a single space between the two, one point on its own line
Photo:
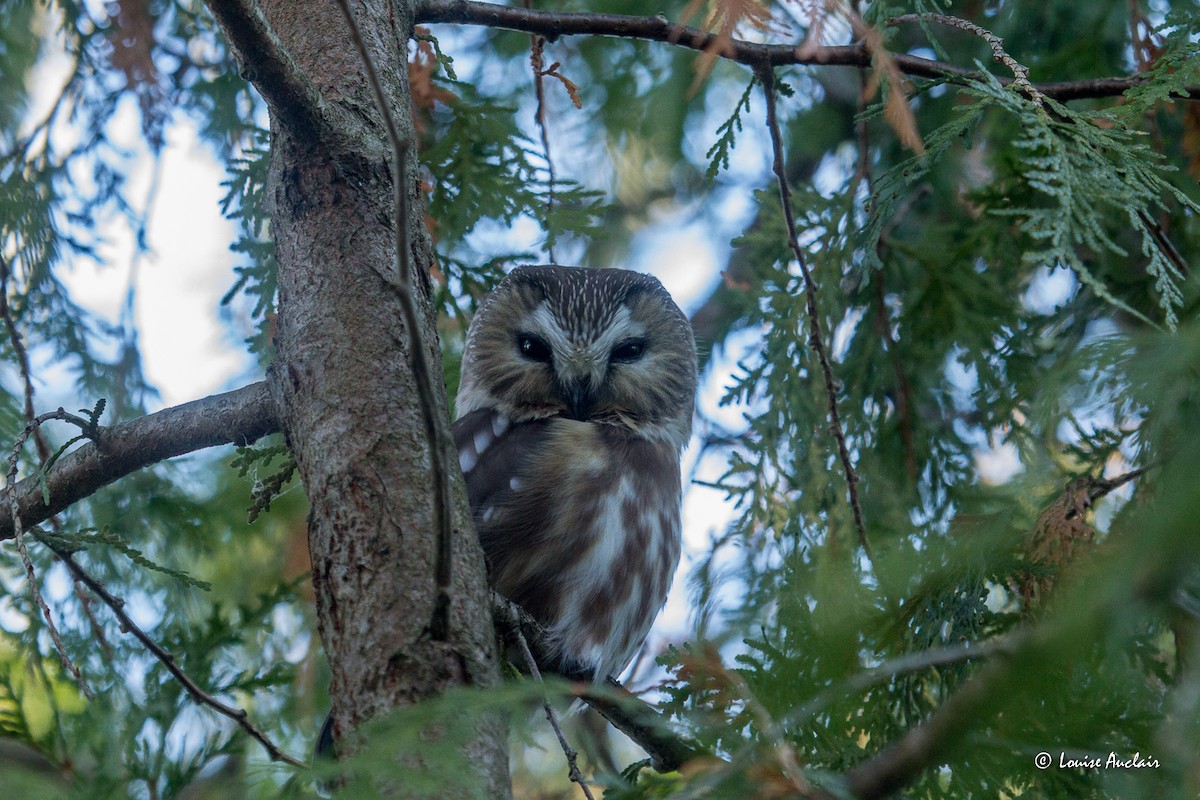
x=1011 y=313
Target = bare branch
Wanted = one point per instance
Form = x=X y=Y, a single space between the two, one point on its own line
x=660 y=29
x=437 y=434
x=766 y=76
x=1020 y=71
x=1099 y=487
x=198 y=695
x=642 y=723
x=911 y=662
x=241 y=417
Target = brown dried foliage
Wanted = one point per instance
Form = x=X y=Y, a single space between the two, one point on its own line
x=537 y=60
x=426 y=94
x=896 y=111
x=724 y=18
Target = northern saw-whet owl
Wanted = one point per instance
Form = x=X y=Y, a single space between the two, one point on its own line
x=575 y=401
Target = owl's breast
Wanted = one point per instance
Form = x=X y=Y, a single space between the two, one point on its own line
x=580 y=525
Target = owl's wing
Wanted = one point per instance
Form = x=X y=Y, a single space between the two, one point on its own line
x=519 y=489
x=490 y=452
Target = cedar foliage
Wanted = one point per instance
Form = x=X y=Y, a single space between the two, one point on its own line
x=1023 y=284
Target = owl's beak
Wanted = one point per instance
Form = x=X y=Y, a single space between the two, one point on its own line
x=580 y=398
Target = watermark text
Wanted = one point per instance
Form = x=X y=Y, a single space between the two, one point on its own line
x=1113 y=760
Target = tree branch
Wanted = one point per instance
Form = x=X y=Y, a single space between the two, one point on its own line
x=929 y=742
x=911 y=662
x=639 y=720
x=629 y=714
x=18 y=346
x=265 y=62
x=241 y=417
x=660 y=29
x=995 y=43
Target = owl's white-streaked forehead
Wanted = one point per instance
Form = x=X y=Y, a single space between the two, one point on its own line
x=592 y=344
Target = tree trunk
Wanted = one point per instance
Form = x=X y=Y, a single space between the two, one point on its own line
x=348 y=402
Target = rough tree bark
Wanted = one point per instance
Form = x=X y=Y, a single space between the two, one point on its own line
x=345 y=393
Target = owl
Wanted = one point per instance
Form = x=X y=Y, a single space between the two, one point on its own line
x=575 y=402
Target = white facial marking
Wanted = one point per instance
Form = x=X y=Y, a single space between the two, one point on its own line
x=585 y=357
x=622 y=327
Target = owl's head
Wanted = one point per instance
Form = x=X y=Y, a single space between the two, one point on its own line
x=598 y=345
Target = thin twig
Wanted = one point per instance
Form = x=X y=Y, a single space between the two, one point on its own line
x=14 y=337
x=910 y=662
x=1020 y=71
x=198 y=695
x=436 y=433
x=863 y=173
x=23 y=148
x=85 y=604
x=537 y=63
x=10 y=501
x=923 y=744
x=629 y=714
x=1165 y=246
x=568 y=751
x=766 y=76
x=44 y=454
x=659 y=29
x=1099 y=487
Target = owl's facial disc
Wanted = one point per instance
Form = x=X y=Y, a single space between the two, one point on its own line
x=580 y=360
x=604 y=346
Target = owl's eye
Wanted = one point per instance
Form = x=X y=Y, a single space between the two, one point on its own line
x=628 y=351
x=534 y=347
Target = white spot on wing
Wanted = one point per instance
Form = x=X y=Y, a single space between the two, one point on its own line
x=515 y=483
x=488 y=513
x=483 y=439
x=499 y=425
x=467 y=459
